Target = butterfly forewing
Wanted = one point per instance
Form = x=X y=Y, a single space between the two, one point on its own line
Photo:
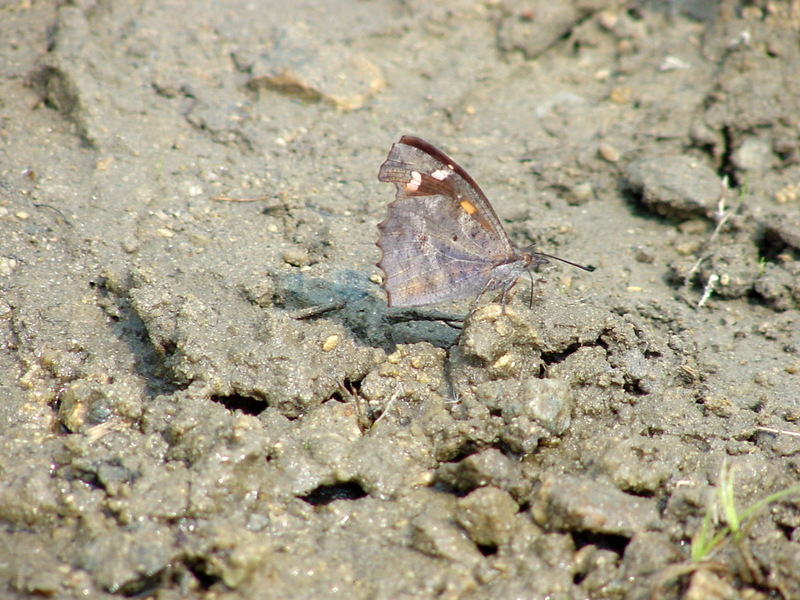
x=418 y=168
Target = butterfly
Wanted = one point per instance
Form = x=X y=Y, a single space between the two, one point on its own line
x=442 y=239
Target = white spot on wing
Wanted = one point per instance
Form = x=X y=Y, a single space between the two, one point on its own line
x=415 y=182
x=441 y=174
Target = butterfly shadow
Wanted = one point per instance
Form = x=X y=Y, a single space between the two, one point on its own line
x=348 y=297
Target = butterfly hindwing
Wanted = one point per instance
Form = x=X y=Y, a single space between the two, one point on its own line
x=425 y=260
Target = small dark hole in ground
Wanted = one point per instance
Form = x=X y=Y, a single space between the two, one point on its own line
x=615 y=543
x=787 y=531
x=771 y=246
x=325 y=494
x=633 y=387
x=144 y=587
x=199 y=569
x=249 y=406
x=464 y=451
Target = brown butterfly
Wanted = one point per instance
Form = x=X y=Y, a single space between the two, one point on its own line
x=442 y=239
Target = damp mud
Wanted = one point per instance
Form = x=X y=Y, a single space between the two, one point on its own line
x=204 y=393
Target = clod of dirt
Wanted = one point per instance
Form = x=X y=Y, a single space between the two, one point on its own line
x=568 y=503
x=531 y=409
x=487 y=467
x=298 y=65
x=488 y=516
x=678 y=187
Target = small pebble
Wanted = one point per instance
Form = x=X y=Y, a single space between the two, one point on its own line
x=297 y=257
x=330 y=343
x=609 y=152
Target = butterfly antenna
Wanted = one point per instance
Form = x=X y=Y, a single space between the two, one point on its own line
x=564 y=260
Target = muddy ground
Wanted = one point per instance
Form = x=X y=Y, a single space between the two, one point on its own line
x=204 y=393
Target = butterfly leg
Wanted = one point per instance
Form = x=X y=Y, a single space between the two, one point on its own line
x=506 y=289
x=485 y=289
x=530 y=302
x=504 y=294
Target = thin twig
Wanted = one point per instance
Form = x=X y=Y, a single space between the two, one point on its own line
x=228 y=199
x=783 y=431
x=315 y=311
x=721 y=216
x=385 y=410
x=708 y=290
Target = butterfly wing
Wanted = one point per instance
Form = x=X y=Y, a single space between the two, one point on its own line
x=442 y=239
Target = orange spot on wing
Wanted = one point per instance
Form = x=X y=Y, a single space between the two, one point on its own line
x=468 y=207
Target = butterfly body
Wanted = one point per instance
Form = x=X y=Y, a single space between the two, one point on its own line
x=442 y=239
